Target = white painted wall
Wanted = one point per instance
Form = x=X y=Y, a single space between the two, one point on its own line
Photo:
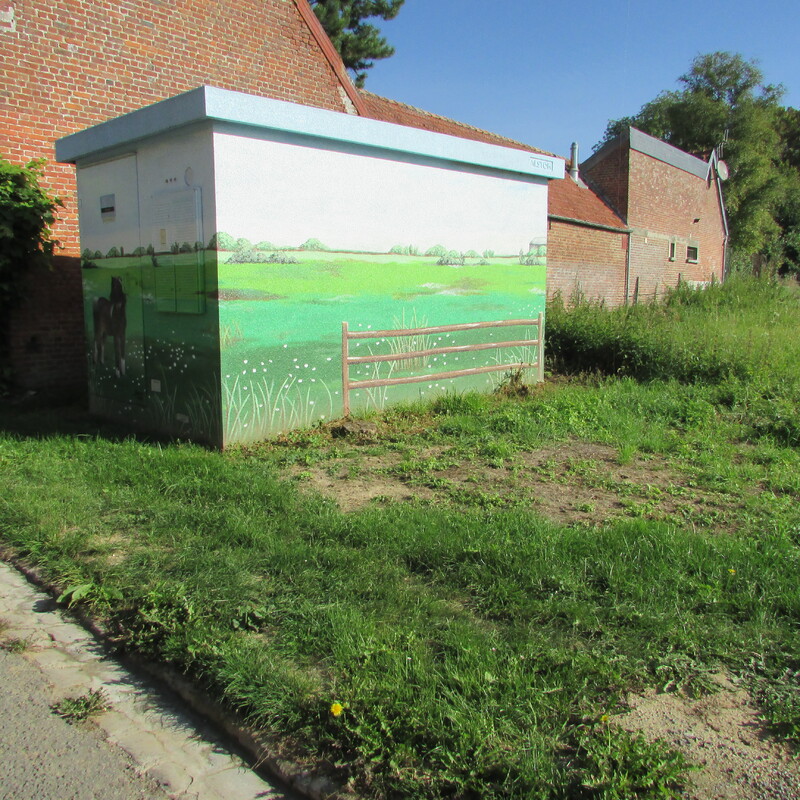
x=117 y=177
x=288 y=193
x=177 y=169
x=171 y=170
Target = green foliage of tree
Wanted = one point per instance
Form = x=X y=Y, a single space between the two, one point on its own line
x=27 y=213
x=437 y=250
x=789 y=213
x=789 y=128
x=725 y=104
x=359 y=43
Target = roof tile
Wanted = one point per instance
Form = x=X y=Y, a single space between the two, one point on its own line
x=567 y=199
x=382 y=108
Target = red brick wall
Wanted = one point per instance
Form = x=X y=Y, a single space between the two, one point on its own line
x=588 y=260
x=45 y=333
x=664 y=203
x=69 y=64
x=73 y=63
x=609 y=178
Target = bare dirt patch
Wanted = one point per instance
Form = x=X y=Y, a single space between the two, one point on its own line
x=584 y=483
x=352 y=493
x=723 y=736
x=572 y=483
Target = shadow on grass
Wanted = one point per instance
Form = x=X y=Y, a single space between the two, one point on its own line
x=45 y=418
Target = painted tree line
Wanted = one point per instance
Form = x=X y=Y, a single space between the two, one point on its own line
x=724 y=102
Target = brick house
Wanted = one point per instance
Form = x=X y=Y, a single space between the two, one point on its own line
x=587 y=243
x=67 y=64
x=672 y=205
x=645 y=215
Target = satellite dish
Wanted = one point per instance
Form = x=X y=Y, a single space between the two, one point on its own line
x=722 y=170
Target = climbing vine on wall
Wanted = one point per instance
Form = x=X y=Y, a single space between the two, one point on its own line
x=27 y=214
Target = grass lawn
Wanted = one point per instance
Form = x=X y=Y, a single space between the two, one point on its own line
x=452 y=602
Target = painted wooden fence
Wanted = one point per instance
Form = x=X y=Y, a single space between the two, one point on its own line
x=349 y=385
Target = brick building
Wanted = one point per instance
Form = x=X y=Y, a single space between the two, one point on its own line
x=68 y=64
x=587 y=243
x=644 y=214
x=672 y=206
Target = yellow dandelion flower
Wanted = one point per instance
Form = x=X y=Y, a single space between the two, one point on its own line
x=605 y=718
x=732 y=571
x=336 y=709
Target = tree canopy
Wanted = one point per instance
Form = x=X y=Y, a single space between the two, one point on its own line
x=725 y=104
x=359 y=43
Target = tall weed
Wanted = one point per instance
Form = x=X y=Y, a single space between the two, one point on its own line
x=740 y=337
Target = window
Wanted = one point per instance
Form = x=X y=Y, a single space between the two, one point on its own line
x=672 y=250
x=692 y=254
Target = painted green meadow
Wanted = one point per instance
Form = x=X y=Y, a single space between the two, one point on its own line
x=236 y=345
x=630 y=526
x=281 y=328
x=168 y=347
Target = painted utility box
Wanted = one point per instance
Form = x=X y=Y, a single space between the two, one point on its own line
x=226 y=239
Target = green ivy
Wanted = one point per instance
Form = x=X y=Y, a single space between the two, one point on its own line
x=27 y=213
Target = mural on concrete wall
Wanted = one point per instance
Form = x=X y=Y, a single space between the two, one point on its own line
x=310 y=237
x=237 y=335
x=281 y=313
x=153 y=348
x=149 y=290
x=156 y=354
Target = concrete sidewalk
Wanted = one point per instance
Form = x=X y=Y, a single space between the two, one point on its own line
x=147 y=745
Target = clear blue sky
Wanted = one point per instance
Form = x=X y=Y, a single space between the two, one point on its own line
x=550 y=73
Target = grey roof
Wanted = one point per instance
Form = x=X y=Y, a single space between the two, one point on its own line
x=655 y=148
x=662 y=151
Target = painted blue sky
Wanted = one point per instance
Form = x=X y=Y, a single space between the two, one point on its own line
x=551 y=73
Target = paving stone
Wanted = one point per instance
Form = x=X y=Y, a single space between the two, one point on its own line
x=52 y=659
x=143 y=747
x=168 y=743
x=114 y=723
x=240 y=784
x=69 y=682
x=209 y=757
x=173 y=777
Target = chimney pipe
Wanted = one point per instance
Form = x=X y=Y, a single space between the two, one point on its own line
x=573 y=162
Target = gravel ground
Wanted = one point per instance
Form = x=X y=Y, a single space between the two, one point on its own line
x=723 y=736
